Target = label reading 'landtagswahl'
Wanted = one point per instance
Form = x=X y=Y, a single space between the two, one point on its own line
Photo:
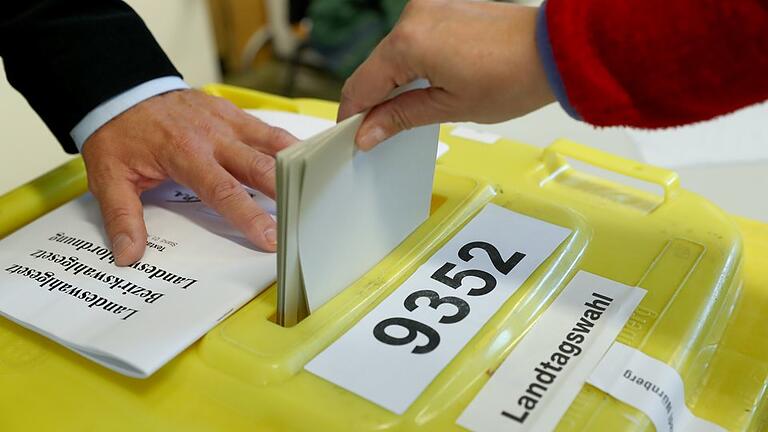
x=534 y=386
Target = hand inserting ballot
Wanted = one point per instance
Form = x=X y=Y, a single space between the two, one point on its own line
x=203 y=142
x=607 y=63
x=480 y=58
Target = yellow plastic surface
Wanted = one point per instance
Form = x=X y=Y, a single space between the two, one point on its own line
x=703 y=313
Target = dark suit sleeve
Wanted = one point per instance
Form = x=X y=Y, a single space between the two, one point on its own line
x=68 y=56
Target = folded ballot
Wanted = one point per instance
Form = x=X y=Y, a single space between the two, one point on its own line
x=341 y=210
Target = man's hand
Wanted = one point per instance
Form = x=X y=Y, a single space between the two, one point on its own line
x=200 y=141
x=480 y=58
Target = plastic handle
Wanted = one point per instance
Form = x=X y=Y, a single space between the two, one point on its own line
x=667 y=179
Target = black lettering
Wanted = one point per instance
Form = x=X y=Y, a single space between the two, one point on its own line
x=109 y=306
x=133 y=311
x=599 y=304
x=78 y=268
x=520 y=419
x=569 y=349
x=575 y=338
x=544 y=377
x=154 y=296
x=559 y=358
x=157 y=273
x=531 y=390
x=592 y=314
x=548 y=366
x=583 y=326
x=527 y=403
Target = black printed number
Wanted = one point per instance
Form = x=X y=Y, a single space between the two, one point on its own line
x=462 y=307
x=441 y=275
x=502 y=266
x=413 y=327
x=489 y=282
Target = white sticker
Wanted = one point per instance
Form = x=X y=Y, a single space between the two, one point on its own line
x=475 y=135
x=534 y=386
x=395 y=351
x=649 y=385
x=442 y=148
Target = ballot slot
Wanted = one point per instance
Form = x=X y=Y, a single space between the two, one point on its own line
x=254 y=328
x=603 y=176
x=342 y=210
x=276 y=354
x=447 y=214
x=436 y=202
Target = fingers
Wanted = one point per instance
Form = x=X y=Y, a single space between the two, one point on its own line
x=262 y=136
x=406 y=111
x=123 y=218
x=200 y=141
x=218 y=189
x=374 y=80
x=250 y=166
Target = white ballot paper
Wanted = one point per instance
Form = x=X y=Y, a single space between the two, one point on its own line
x=392 y=354
x=536 y=383
x=57 y=275
x=649 y=385
x=342 y=210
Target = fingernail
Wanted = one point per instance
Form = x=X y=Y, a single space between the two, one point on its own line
x=271 y=236
x=120 y=244
x=371 y=138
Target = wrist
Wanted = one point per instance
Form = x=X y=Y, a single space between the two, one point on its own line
x=111 y=108
x=549 y=71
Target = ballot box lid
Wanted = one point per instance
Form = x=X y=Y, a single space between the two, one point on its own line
x=630 y=222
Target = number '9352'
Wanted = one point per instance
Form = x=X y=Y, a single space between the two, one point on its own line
x=460 y=307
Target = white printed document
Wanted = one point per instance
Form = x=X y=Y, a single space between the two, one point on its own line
x=392 y=354
x=57 y=275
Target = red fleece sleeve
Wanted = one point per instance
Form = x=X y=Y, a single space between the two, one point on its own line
x=657 y=63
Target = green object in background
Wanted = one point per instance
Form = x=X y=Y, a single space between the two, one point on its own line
x=346 y=31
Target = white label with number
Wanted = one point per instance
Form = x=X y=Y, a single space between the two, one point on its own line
x=395 y=351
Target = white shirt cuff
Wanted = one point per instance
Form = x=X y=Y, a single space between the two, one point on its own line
x=109 y=109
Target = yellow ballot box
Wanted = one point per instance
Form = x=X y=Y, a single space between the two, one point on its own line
x=703 y=272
